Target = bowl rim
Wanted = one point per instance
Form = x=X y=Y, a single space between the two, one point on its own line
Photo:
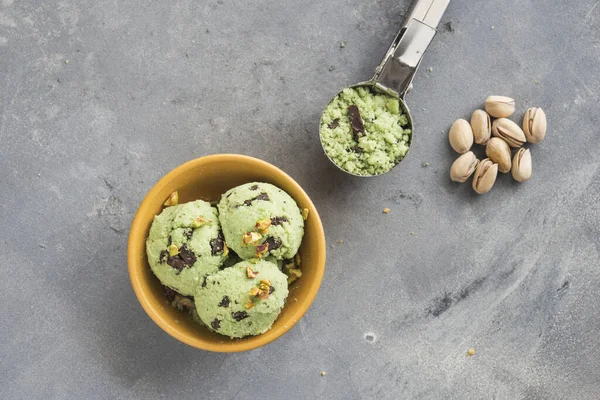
x=137 y=235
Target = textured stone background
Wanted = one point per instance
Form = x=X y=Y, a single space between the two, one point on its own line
x=151 y=84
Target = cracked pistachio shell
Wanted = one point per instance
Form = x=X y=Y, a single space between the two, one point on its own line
x=499 y=106
x=482 y=126
x=508 y=131
x=521 y=165
x=463 y=167
x=485 y=176
x=534 y=124
x=461 y=136
x=499 y=152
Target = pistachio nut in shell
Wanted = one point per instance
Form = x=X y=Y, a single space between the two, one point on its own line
x=461 y=136
x=463 y=167
x=499 y=106
x=485 y=176
x=482 y=126
x=521 y=165
x=534 y=124
x=508 y=131
x=499 y=152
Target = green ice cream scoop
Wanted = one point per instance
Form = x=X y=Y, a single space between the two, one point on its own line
x=238 y=302
x=266 y=213
x=185 y=243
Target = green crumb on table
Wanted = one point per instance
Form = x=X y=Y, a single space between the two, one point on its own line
x=342 y=44
x=365 y=133
x=341 y=240
x=471 y=352
x=412 y=233
x=323 y=373
x=424 y=164
x=429 y=69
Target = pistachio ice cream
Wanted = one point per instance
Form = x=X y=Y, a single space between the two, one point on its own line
x=242 y=300
x=261 y=220
x=365 y=133
x=185 y=243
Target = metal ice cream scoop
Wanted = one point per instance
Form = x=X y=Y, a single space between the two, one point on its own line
x=396 y=71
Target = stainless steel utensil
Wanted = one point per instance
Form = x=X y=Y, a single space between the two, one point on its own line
x=396 y=71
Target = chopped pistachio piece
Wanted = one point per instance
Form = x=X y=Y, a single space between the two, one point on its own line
x=305 y=212
x=173 y=250
x=198 y=222
x=172 y=200
x=251 y=238
x=251 y=273
x=263 y=225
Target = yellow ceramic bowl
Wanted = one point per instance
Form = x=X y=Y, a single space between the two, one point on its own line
x=205 y=178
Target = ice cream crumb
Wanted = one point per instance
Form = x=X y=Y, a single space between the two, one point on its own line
x=430 y=69
x=341 y=240
x=323 y=373
x=66 y=61
x=471 y=352
x=412 y=233
x=386 y=210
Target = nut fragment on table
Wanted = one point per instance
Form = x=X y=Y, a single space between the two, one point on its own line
x=461 y=136
x=508 y=131
x=521 y=165
x=499 y=106
x=499 y=152
x=482 y=126
x=534 y=124
x=485 y=176
x=463 y=167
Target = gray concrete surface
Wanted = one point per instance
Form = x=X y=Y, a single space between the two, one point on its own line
x=99 y=99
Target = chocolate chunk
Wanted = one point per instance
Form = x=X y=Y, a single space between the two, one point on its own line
x=357 y=149
x=176 y=262
x=229 y=195
x=169 y=294
x=163 y=256
x=278 y=220
x=188 y=233
x=334 y=124
x=169 y=240
x=188 y=256
x=224 y=302
x=216 y=244
x=271 y=289
x=204 y=282
x=273 y=242
x=358 y=129
x=239 y=315
x=216 y=324
x=262 y=196
x=254 y=187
